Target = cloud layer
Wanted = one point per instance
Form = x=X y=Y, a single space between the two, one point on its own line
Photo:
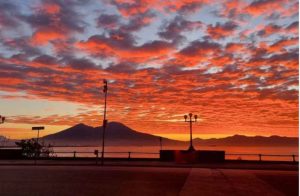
x=234 y=63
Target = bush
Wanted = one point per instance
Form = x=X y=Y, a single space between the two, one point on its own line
x=31 y=148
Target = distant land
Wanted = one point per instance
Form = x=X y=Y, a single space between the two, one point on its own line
x=117 y=134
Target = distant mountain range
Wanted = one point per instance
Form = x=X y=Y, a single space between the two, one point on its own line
x=116 y=134
x=119 y=134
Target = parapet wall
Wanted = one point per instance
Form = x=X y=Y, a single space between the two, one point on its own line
x=197 y=156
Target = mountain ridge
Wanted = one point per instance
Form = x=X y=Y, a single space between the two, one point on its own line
x=120 y=134
x=116 y=134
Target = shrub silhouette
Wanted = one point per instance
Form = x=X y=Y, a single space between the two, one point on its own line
x=31 y=148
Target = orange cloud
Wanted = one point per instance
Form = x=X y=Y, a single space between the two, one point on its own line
x=45 y=35
x=283 y=44
x=51 y=8
x=157 y=68
x=263 y=7
x=113 y=48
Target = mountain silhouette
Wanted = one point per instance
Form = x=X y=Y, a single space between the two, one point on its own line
x=119 y=134
x=241 y=140
x=116 y=134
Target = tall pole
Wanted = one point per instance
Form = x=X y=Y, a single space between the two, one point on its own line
x=160 y=142
x=191 y=133
x=38 y=135
x=104 y=120
x=2 y=119
x=37 y=142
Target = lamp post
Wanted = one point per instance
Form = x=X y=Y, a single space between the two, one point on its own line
x=2 y=119
x=37 y=141
x=104 y=119
x=160 y=142
x=189 y=119
x=38 y=134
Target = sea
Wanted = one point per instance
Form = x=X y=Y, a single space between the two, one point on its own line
x=284 y=153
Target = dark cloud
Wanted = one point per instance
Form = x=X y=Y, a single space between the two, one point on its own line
x=22 y=45
x=81 y=64
x=191 y=7
x=278 y=93
x=172 y=30
x=123 y=67
x=123 y=46
x=293 y=26
x=153 y=46
x=139 y=21
x=197 y=47
x=131 y=8
x=38 y=20
x=45 y=59
x=292 y=56
x=114 y=39
x=109 y=21
x=221 y=30
x=269 y=30
x=53 y=20
x=8 y=14
x=262 y=3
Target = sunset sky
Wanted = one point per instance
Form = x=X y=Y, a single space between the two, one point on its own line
x=233 y=63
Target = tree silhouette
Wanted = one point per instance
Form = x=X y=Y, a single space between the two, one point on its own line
x=31 y=148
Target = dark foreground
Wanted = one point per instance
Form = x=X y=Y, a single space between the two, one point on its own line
x=120 y=180
x=256 y=165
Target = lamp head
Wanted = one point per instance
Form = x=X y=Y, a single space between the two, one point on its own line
x=190 y=114
x=105 y=86
x=185 y=117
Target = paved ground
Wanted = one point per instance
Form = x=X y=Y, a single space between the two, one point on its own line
x=97 y=180
x=155 y=163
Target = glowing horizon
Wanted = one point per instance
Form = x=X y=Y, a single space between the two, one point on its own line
x=233 y=63
x=27 y=133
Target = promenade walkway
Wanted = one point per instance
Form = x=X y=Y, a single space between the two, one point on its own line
x=120 y=180
x=264 y=165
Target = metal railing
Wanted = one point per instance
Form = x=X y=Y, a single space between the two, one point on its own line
x=140 y=154
x=130 y=154
x=259 y=157
x=126 y=154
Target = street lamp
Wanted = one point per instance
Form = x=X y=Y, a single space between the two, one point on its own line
x=104 y=118
x=2 y=119
x=37 y=140
x=38 y=134
x=189 y=119
x=160 y=142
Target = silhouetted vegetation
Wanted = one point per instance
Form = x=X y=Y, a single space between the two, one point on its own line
x=31 y=148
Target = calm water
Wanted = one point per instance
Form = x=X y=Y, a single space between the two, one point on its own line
x=146 y=151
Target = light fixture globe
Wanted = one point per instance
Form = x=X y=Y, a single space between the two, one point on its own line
x=185 y=117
